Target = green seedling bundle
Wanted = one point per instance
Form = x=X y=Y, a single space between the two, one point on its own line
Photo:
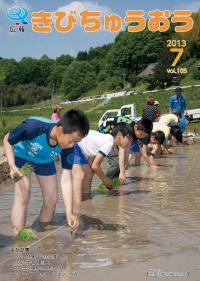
x=102 y=188
x=26 y=234
x=25 y=170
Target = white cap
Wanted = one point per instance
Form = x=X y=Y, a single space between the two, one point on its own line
x=156 y=102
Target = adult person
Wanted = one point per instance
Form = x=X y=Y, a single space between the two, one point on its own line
x=177 y=103
x=150 y=111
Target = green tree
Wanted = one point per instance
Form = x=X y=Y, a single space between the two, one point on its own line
x=161 y=76
x=78 y=78
x=65 y=60
x=132 y=52
x=11 y=70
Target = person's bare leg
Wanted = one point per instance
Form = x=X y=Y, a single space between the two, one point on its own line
x=87 y=182
x=49 y=189
x=138 y=157
x=77 y=180
x=20 y=205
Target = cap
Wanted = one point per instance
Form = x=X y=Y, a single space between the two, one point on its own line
x=156 y=102
x=57 y=107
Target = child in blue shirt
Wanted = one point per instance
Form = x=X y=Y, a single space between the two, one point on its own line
x=36 y=141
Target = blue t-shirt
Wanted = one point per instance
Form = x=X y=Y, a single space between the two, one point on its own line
x=31 y=142
x=177 y=103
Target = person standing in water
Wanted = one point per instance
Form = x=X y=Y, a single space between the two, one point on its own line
x=177 y=103
x=35 y=142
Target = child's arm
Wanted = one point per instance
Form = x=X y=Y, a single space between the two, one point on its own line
x=144 y=154
x=96 y=167
x=67 y=193
x=166 y=148
x=122 y=164
x=150 y=160
x=27 y=130
x=155 y=152
x=10 y=157
x=127 y=157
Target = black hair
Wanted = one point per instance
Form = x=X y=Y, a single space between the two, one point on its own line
x=74 y=120
x=178 y=90
x=177 y=134
x=159 y=136
x=125 y=129
x=145 y=125
x=175 y=131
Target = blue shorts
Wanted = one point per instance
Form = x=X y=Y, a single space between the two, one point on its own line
x=134 y=147
x=79 y=157
x=47 y=169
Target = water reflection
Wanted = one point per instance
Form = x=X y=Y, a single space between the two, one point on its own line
x=153 y=217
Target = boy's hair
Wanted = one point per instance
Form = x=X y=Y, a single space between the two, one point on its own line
x=145 y=125
x=175 y=131
x=125 y=129
x=177 y=134
x=74 y=120
x=159 y=136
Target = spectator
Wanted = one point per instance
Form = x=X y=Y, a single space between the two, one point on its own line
x=177 y=103
x=56 y=116
x=150 y=111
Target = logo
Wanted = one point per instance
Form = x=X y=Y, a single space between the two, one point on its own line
x=19 y=15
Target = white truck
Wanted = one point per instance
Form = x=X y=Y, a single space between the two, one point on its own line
x=193 y=114
x=128 y=110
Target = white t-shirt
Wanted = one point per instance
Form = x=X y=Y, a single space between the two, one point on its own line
x=166 y=119
x=95 y=143
x=157 y=126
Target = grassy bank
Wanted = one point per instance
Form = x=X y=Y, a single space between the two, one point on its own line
x=10 y=119
x=192 y=95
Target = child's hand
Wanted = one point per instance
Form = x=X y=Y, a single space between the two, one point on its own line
x=14 y=171
x=108 y=182
x=122 y=178
x=154 y=167
x=73 y=220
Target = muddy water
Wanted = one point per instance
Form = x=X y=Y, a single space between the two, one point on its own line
x=149 y=230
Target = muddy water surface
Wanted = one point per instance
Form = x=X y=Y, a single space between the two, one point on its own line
x=148 y=230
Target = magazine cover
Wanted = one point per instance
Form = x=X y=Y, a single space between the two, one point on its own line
x=99 y=140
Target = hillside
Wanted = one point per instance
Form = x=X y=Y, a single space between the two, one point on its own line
x=96 y=108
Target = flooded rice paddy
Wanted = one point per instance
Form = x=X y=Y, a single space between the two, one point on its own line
x=148 y=230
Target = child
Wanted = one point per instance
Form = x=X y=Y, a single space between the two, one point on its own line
x=172 y=130
x=176 y=117
x=141 y=129
x=36 y=141
x=90 y=153
x=155 y=149
x=56 y=115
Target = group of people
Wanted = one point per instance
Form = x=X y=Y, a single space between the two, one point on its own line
x=37 y=141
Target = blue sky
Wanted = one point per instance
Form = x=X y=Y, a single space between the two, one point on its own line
x=18 y=45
